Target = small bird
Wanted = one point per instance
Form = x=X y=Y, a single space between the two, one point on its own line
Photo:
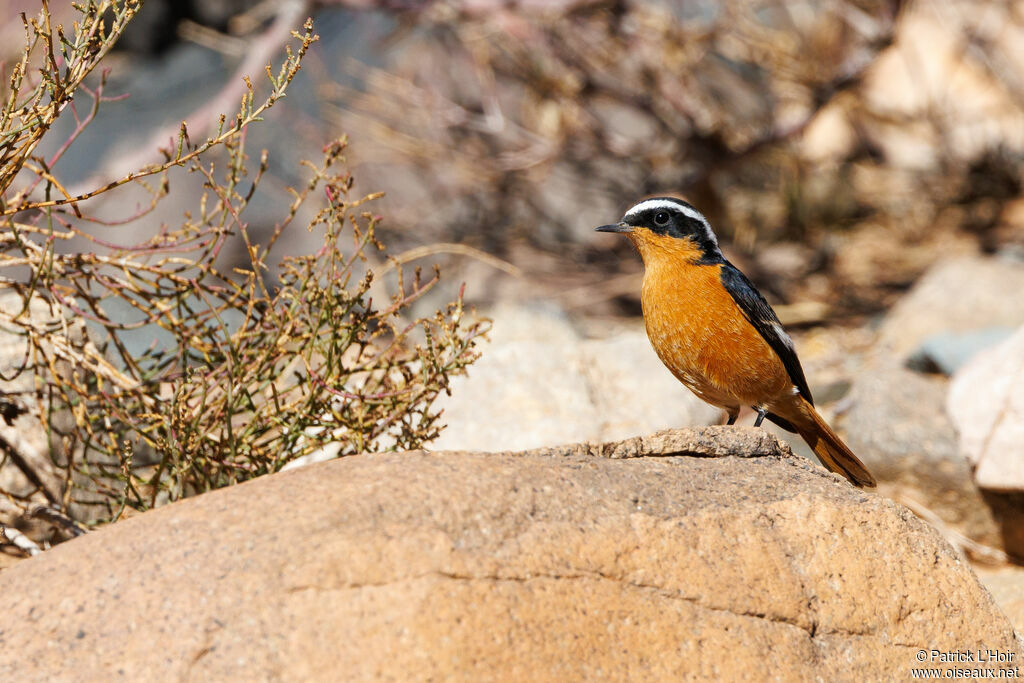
x=716 y=333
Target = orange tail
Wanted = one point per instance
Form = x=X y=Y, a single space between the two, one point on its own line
x=826 y=444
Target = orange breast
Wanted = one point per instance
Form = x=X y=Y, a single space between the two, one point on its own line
x=701 y=335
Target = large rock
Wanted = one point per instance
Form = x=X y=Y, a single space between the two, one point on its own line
x=986 y=405
x=711 y=553
x=958 y=295
x=540 y=383
x=896 y=419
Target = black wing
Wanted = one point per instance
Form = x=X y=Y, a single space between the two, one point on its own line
x=764 y=320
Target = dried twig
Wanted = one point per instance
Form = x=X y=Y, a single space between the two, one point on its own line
x=25 y=467
x=968 y=546
x=449 y=248
x=52 y=514
x=20 y=540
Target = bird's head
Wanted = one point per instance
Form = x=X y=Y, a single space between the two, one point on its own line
x=668 y=227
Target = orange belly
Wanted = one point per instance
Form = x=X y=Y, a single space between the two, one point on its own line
x=701 y=335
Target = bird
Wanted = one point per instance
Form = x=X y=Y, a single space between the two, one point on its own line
x=717 y=334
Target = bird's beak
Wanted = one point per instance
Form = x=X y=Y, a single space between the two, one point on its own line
x=617 y=227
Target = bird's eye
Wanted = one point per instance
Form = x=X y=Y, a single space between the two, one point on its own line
x=661 y=218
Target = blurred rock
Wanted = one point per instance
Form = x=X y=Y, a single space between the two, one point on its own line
x=830 y=136
x=955 y=296
x=1006 y=584
x=925 y=71
x=947 y=352
x=896 y=419
x=743 y=562
x=540 y=383
x=897 y=424
x=218 y=13
x=12 y=30
x=986 y=405
x=154 y=28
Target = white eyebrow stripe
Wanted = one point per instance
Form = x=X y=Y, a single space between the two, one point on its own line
x=669 y=204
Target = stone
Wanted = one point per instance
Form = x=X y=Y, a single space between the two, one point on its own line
x=539 y=383
x=705 y=553
x=947 y=352
x=958 y=295
x=922 y=74
x=986 y=406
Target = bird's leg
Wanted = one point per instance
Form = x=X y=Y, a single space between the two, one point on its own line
x=760 y=416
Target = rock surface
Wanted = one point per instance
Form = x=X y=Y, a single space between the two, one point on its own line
x=540 y=383
x=656 y=558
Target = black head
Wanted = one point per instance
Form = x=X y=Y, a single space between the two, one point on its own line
x=670 y=217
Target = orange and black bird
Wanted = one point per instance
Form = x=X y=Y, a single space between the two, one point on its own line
x=717 y=334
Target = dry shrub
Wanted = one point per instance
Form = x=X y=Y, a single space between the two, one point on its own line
x=249 y=367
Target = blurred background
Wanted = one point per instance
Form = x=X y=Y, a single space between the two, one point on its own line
x=839 y=148
x=862 y=161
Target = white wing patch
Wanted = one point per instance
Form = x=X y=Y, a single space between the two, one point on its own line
x=782 y=335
